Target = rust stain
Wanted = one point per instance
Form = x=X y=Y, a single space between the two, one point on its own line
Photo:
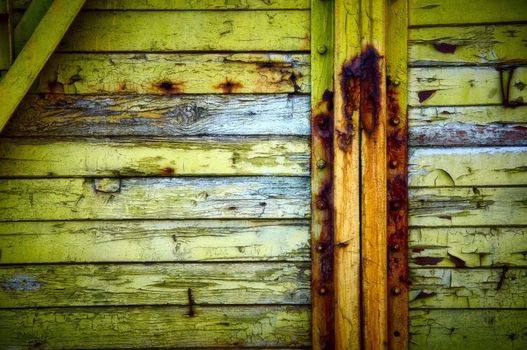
x=425 y=95
x=229 y=86
x=191 y=312
x=322 y=204
x=360 y=82
x=169 y=87
x=167 y=171
x=445 y=48
x=55 y=87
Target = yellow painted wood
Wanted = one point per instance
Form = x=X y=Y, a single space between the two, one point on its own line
x=29 y=21
x=134 y=157
x=185 y=4
x=468 y=44
x=16 y=83
x=438 y=12
x=468 y=288
x=488 y=166
x=153 y=241
x=151 y=327
x=346 y=184
x=161 y=115
x=322 y=47
x=162 y=198
x=136 y=284
x=452 y=86
x=175 y=73
x=468 y=126
x=468 y=206
x=188 y=31
x=472 y=246
x=397 y=230
x=468 y=329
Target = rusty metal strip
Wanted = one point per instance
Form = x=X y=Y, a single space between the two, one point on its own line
x=397 y=181
x=322 y=241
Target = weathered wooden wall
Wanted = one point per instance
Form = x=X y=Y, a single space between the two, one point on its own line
x=468 y=174
x=154 y=185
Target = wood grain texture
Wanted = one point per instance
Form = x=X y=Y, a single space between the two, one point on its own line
x=468 y=247
x=346 y=183
x=155 y=327
x=153 y=241
x=157 y=284
x=468 y=329
x=166 y=74
x=441 y=12
x=474 y=206
x=151 y=198
x=160 y=115
x=324 y=276
x=488 y=44
x=453 y=86
x=468 y=126
x=121 y=31
x=483 y=166
x=468 y=288
x=184 y=4
x=38 y=49
x=47 y=157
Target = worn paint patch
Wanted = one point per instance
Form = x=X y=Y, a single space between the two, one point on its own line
x=425 y=95
x=360 y=82
x=21 y=283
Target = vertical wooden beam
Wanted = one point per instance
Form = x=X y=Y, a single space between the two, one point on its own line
x=6 y=38
x=373 y=175
x=323 y=329
x=29 y=21
x=346 y=178
x=397 y=154
x=16 y=83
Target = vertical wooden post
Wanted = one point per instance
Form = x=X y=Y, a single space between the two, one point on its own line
x=397 y=146
x=322 y=242
x=346 y=179
x=369 y=175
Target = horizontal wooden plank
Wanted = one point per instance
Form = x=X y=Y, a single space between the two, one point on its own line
x=151 y=241
x=468 y=45
x=154 y=198
x=474 y=206
x=468 y=288
x=46 y=157
x=468 y=247
x=468 y=126
x=468 y=329
x=167 y=74
x=157 y=284
x=440 y=12
x=160 y=115
x=188 y=31
x=155 y=327
x=484 y=166
x=185 y=4
x=451 y=86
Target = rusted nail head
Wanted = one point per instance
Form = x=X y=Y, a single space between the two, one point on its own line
x=322 y=291
x=320 y=247
x=395 y=247
x=396 y=82
x=396 y=290
x=321 y=204
x=393 y=164
x=395 y=205
x=323 y=124
x=321 y=164
x=322 y=49
x=395 y=121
